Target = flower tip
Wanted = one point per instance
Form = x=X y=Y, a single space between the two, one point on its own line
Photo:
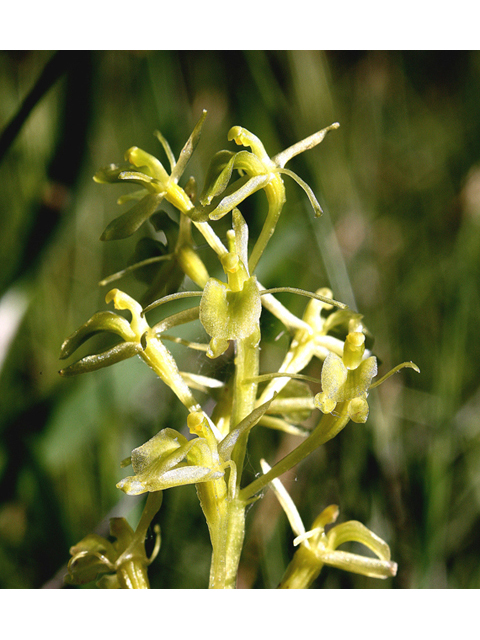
x=234 y=134
x=129 y=153
x=328 y=516
x=111 y=295
x=131 y=487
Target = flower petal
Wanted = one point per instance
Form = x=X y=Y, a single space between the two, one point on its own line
x=237 y=193
x=334 y=376
x=230 y=315
x=353 y=531
x=308 y=190
x=101 y=321
x=188 y=149
x=359 y=379
x=126 y=224
x=120 y=352
x=370 y=567
x=218 y=176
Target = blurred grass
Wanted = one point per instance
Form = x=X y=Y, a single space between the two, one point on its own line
x=399 y=240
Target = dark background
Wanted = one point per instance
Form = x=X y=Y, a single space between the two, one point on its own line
x=399 y=241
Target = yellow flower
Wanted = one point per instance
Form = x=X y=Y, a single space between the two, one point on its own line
x=317 y=547
x=119 y=564
x=311 y=339
x=139 y=339
x=257 y=171
x=231 y=310
x=171 y=460
x=156 y=184
x=348 y=379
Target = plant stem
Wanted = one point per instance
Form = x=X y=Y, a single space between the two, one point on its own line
x=327 y=428
x=302 y=570
x=244 y=392
x=228 y=532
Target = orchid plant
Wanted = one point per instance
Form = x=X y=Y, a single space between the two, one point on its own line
x=209 y=451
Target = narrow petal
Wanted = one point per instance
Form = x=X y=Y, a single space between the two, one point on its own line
x=147 y=164
x=354 y=531
x=308 y=190
x=126 y=224
x=188 y=148
x=120 y=352
x=166 y=147
x=111 y=173
x=134 y=485
x=287 y=503
x=409 y=365
x=370 y=567
x=101 y=321
x=245 y=188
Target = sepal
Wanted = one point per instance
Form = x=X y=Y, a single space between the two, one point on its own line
x=91 y=557
x=118 y=353
x=126 y=224
x=159 y=463
x=101 y=321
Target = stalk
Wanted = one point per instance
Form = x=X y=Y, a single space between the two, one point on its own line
x=328 y=427
x=229 y=531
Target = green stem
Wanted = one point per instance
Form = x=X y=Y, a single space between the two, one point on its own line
x=133 y=575
x=244 y=392
x=302 y=570
x=227 y=533
x=275 y=192
x=328 y=427
x=213 y=500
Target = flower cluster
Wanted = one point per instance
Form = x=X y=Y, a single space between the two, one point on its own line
x=210 y=453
